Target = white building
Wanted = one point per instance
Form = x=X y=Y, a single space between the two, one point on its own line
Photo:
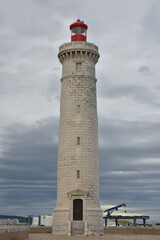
x=9 y=221
x=46 y=220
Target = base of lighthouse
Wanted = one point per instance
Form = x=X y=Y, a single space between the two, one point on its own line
x=80 y=219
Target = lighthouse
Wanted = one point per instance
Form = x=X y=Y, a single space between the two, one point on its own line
x=77 y=210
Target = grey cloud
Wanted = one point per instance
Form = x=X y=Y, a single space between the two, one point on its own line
x=28 y=169
x=55 y=69
x=32 y=19
x=137 y=93
x=150 y=24
x=157 y=87
x=28 y=166
x=144 y=69
x=128 y=172
x=31 y=32
x=122 y=140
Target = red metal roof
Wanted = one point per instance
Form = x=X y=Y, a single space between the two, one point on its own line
x=79 y=23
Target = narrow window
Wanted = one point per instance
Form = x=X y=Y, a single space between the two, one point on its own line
x=78 y=66
x=78 y=140
x=78 y=108
x=78 y=173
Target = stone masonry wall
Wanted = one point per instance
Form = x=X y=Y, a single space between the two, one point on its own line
x=78 y=119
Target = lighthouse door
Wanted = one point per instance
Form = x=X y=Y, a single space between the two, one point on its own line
x=77 y=210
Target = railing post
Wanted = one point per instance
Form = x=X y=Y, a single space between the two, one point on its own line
x=106 y=222
x=144 y=222
x=116 y=222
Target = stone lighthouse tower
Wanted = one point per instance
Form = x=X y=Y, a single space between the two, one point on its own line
x=77 y=210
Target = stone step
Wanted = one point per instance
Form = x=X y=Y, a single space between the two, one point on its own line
x=77 y=228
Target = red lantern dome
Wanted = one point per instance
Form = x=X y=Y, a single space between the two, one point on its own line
x=78 y=31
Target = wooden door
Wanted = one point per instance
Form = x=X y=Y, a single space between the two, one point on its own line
x=77 y=210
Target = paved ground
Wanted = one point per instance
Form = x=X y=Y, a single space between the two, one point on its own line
x=49 y=236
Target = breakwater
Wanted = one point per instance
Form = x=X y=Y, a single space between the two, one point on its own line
x=14 y=232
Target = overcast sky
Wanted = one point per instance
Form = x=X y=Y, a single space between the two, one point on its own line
x=128 y=90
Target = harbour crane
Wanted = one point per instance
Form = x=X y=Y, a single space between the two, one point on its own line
x=109 y=211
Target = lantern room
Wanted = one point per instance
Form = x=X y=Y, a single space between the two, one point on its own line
x=78 y=31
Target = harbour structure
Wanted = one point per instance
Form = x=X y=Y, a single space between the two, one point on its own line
x=123 y=216
x=77 y=209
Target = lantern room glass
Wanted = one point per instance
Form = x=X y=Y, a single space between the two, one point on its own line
x=78 y=31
